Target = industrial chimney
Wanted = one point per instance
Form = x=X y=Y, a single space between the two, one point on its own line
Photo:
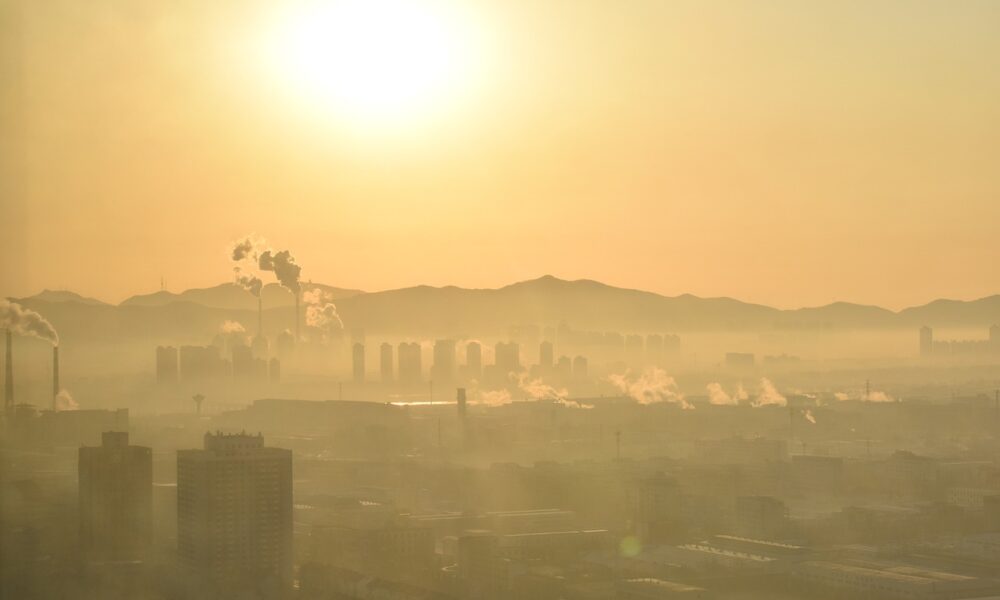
x=297 y=317
x=8 y=381
x=461 y=403
x=55 y=377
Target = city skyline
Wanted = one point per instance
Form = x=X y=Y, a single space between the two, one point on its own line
x=494 y=299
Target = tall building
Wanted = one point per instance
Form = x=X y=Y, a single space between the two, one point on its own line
x=443 y=370
x=166 y=365
x=234 y=515
x=580 y=366
x=410 y=368
x=545 y=355
x=564 y=368
x=116 y=499
x=473 y=360
x=358 y=362
x=654 y=349
x=671 y=345
x=385 y=362
x=634 y=350
x=658 y=510
x=507 y=357
x=926 y=341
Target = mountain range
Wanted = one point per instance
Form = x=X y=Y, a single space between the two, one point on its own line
x=425 y=310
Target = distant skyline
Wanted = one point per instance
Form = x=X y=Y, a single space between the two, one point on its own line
x=779 y=152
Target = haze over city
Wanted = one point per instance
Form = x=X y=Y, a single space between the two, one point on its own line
x=786 y=153
x=479 y=300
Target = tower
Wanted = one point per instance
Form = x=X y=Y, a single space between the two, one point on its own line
x=443 y=370
x=926 y=341
x=385 y=362
x=545 y=355
x=116 y=499
x=234 y=514
x=460 y=397
x=473 y=360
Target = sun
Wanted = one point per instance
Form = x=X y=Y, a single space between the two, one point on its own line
x=373 y=62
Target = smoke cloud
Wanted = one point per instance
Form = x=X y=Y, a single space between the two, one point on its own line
x=232 y=327
x=539 y=390
x=807 y=414
x=282 y=264
x=24 y=321
x=65 y=401
x=767 y=395
x=321 y=313
x=719 y=397
x=879 y=397
x=245 y=253
x=652 y=386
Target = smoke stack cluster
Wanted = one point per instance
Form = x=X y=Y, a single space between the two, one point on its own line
x=251 y=257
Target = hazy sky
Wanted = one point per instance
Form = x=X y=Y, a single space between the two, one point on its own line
x=790 y=153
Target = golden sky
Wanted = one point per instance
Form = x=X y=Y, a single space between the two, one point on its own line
x=784 y=152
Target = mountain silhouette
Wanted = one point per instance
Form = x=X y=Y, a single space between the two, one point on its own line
x=454 y=311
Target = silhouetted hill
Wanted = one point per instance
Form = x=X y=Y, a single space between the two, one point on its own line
x=838 y=314
x=233 y=297
x=424 y=310
x=63 y=296
x=955 y=313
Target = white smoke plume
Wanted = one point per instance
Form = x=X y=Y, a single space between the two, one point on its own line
x=245 y=254
x=232 y=327
x=539 y=390
x=24 y=321
x=879 y=397
x=65 y=401
x=652 y=386
x=842 y=397
x=321 y=313
x=808 y=416
x=768 y=395
x=719 y=397
x=282 y=264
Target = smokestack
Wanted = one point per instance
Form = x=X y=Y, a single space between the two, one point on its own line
x=296 y=317
x=260 y=317
x=55 y=376
x=461 y=403
x=8 y=381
